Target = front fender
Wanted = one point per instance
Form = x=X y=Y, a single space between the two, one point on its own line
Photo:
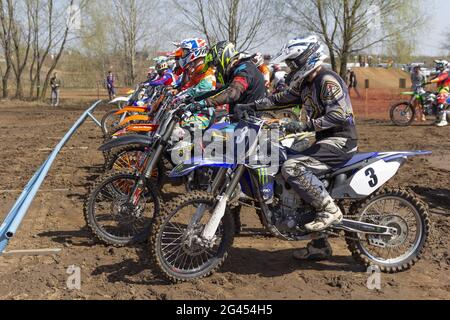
x=185 y=169
x=120 y=99
x=142 y=128
x=134 y=118
x=135 y=139
x=131 y=109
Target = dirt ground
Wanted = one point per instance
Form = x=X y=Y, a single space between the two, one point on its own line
x=258 y=267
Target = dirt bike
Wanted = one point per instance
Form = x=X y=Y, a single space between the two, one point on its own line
x=404 y=113
x=388 y=228
x=136 y=103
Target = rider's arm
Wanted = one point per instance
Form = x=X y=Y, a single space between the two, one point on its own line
x=288 y=98
x=231 y=94
x=338 y=110
x=160 y=81
x=440 y=78
x=207 y=84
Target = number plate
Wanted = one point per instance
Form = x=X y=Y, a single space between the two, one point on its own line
x=371 y=178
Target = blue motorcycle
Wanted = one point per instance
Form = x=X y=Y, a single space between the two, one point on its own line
x=386 y=227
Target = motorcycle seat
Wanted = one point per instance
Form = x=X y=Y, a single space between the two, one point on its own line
x=359 y=157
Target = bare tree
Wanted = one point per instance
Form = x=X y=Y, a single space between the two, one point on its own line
x=21 y=44
x=6 y=20
x=244 y=23
x=348 y=26
x=42 y=21
x=60 y=40
x=131 y=17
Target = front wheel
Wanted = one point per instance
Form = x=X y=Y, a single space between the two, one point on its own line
x=394 y=208
x=110 y=216
x=403 y=114
x=109 y=121
x=176 y=247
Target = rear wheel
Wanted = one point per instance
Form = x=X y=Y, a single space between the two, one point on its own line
x=112 y=219
x=177 y=250
x=395 y=208
x=403 y=114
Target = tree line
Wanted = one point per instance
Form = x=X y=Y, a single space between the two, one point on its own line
x=37 y=36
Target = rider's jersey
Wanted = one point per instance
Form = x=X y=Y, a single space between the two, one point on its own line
x=166 y=79
x=246 y=85
x=326 y=101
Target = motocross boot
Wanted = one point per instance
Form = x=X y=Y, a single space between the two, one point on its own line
x=442 y=119
x=328 y=213
x=316 y=250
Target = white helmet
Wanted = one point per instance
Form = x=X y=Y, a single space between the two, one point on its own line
x=302 y=55
x=441 y=65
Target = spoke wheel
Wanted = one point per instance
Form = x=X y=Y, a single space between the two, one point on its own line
x=398 y=209
x=176 y=248
x=112 y=218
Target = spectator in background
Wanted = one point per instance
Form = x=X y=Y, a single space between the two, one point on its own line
x=55 y=84
x=110 y=85
x=418 y=78
x=352 y=82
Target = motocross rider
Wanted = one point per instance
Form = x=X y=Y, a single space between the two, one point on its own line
x=165 y=75
x=197 y=79
x=241 y=80
x=442 y=79
x=325 y=97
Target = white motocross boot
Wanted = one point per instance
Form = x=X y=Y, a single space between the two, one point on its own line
x=443 y=121
x=329 y=214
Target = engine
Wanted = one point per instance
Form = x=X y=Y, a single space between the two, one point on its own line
x=290 y=212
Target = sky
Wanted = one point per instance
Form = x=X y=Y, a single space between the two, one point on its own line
x=433 y=36
x=429 y=41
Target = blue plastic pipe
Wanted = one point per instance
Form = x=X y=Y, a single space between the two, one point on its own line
x=18 y=212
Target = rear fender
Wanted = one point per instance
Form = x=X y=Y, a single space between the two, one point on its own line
x=136 y=139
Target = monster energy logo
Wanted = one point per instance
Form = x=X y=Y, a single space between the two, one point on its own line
x=263 y=176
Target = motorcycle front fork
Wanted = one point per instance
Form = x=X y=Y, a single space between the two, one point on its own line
x=211 y=227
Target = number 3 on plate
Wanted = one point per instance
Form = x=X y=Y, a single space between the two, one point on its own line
x=373 y=182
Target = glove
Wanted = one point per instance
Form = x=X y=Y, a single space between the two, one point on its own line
x=241 y=110
x=196 y=107
x=426 y=84
x=295 y=127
